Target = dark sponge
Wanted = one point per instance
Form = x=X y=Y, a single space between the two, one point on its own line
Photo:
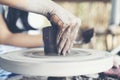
x=87 y=35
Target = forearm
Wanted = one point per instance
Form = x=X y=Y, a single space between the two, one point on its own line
x=24 y=40
x=38 y=6
x=14 y=3
x=18 y=39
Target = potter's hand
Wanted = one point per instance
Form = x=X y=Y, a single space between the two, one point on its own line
x=68 y=24
x=68 y=28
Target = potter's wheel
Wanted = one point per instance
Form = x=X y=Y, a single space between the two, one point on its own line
x=79 y=62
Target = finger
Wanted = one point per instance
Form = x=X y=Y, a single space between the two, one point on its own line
x=61 y=45
x=70 y=46
x=63 y=40
x=69 y=50
x=61 y=32
x=66 y=47
x=74 y=34
x=74 y=26
x=71 y=42
x=74 y=30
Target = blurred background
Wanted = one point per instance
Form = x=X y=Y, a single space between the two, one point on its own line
x=102 y=15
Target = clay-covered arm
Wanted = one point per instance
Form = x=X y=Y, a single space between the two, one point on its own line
x=43 y=7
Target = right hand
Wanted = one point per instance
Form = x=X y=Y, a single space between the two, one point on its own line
x=68 y=28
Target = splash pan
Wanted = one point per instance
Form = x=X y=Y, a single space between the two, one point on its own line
x=78 y=62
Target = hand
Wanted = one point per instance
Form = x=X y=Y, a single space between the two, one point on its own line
x=68 y=29
x=68 y=24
